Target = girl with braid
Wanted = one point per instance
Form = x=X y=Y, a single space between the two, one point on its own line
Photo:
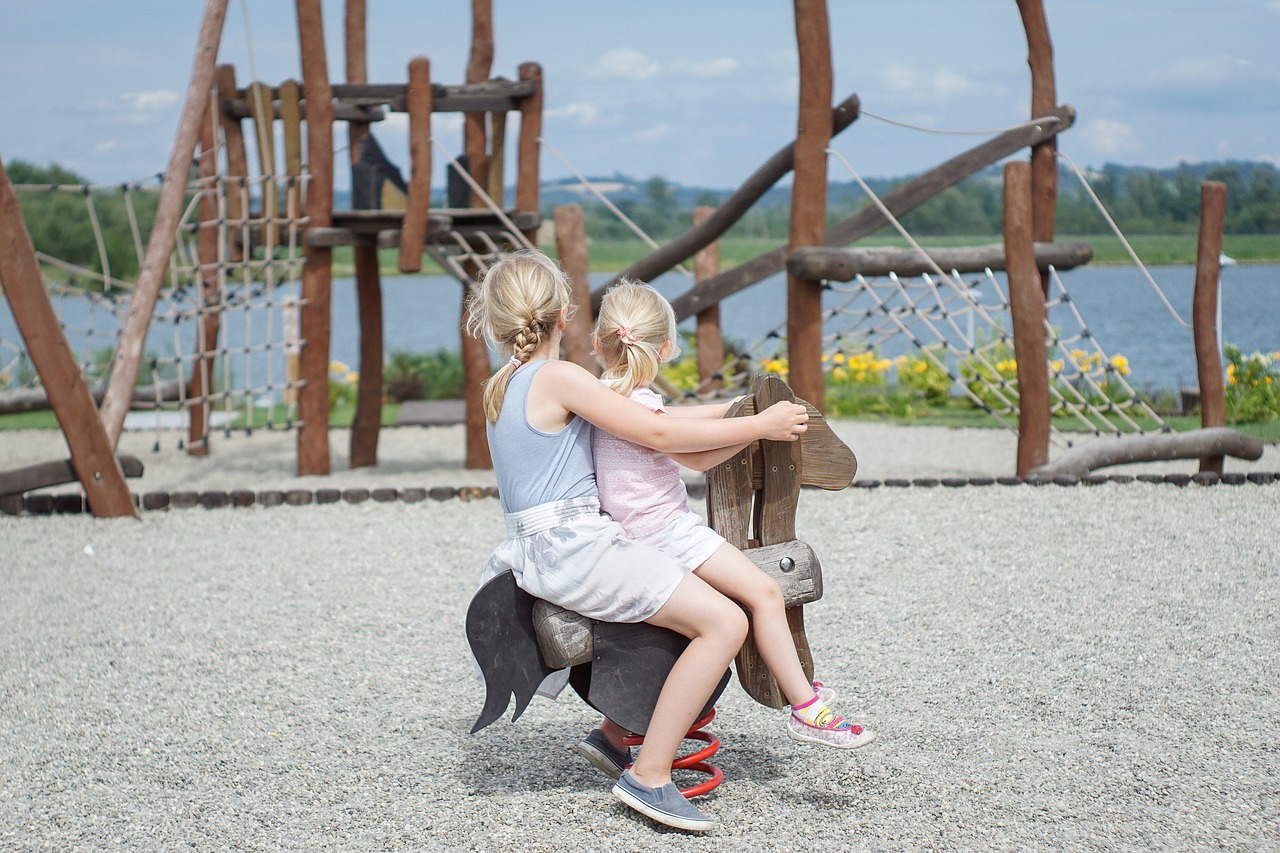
x=561 y=548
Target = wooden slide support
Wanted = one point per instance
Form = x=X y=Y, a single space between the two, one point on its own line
x=164 y=229
x=831 y=263
x=92 y=449
x=869 y=220
x=317 y=271
x=1128 y=449
x=760 y=486
x=727 y=213
x=1204 y=313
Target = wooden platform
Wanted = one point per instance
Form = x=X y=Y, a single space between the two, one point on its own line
x=383 y=226
x=432 y=413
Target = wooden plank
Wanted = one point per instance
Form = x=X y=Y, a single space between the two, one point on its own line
x=364 y=103
x=1204 y=313
x=313 y=397
x=836 y=264
x=710 y=340
x=224 y=77
x=92 y=450
x=265 y=140
x=571 y=249
x=729 y=489
x=164 y=228
x=1027 y=312
x=497 y=158
x=870 y=219
x=528 y=147
x=291 y=123
x=666 y=256
x=44 y=474
x=414 y=233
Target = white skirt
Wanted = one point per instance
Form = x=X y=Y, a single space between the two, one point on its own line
x=572 y=555
x=687 y=539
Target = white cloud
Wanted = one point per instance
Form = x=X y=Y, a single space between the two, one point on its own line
x=924 y=83
x=725 y=66
x=624 y=64
x=1200 y=70
x=582 y=114
x=653 y=134
x=149 y=102
x=1274 y=6
x=1110 y=138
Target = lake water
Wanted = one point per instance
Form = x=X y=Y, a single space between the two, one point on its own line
x=1120 y=308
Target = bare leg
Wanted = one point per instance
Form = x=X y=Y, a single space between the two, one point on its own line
x=734 y=575
x=614 y=733
x=716 y=628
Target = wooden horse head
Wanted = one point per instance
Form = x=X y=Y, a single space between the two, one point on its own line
x=751 y=501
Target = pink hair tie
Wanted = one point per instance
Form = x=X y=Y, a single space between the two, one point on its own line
x=627 y=337
x=514 y=362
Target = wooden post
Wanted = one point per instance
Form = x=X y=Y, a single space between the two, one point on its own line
x=413 y=232
x=262 y=107
x=201 y=381
x=92 y=450
x=313 y=398
x=291 y=123
x=237 y=162
x=809 y=198
x=1204 y=313
x=478 y=67
x=706 y=263
x=497 y=158
x=164 y=229
x=476 y=368
x=1044 y=98
x=571 y=248
x=527 y=172
x=366 y=425
x=1026 y=306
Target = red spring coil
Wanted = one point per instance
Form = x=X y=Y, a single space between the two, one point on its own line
x=695 y=761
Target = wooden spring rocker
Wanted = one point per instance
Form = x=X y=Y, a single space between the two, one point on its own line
x=619 y=669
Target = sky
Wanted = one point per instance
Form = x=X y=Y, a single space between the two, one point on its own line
x=700 y=93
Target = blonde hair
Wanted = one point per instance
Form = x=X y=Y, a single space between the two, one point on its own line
x=516 y=305
x=635 y=322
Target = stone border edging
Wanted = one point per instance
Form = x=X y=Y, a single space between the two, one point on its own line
x=73 y=503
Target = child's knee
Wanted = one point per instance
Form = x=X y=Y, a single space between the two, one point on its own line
x=764 y=595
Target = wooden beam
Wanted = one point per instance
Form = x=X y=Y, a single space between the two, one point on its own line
x=1131 y=449
x=729 y=211
x=414 y=233
x=265 y=137
x=710 y=339
x=200 y=383
x=164 y=229
x=92 y=449
x=528 y=147
x=833 y=264
x=291 y=123
x=1026 y=308
x=313 y=397
x=364 y=102
x=18 y=481
x=809 y=199
x=1044 y=155
x=237 y=161
x=479 y=63
x=870 y=219
x=571 y=248
x=1204 y=313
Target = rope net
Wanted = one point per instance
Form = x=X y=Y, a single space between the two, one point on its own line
x=223 y=337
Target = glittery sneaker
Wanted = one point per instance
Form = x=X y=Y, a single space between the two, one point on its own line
x=665 y=805
x=607 y=758
x=829 y=730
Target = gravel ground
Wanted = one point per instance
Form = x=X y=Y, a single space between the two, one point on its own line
x=1093 y=667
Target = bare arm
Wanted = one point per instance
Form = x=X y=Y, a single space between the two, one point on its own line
x=573 y=390
x=704 y=410
x=705 y=460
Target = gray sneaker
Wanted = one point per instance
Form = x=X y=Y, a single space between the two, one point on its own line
x=665 y=805
x=596 y=748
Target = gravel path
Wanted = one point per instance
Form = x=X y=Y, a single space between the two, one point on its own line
x=1093 y=667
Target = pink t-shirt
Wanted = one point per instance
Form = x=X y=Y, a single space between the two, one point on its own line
x=640 y=487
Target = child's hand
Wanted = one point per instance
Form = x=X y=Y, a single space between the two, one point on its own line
x=784 y=421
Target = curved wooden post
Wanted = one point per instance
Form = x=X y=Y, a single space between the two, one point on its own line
x=237 y=162
x=706 y=263
x=92 y=454
x=809 y=198
x=164 y=229
x=571 y=248
x=527 y=171
x=367 y=422
x=200 y=383
x=1204 y=313
x=317 y=272
x=1044 y=98
x=478 y=66
x=1026 y=305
